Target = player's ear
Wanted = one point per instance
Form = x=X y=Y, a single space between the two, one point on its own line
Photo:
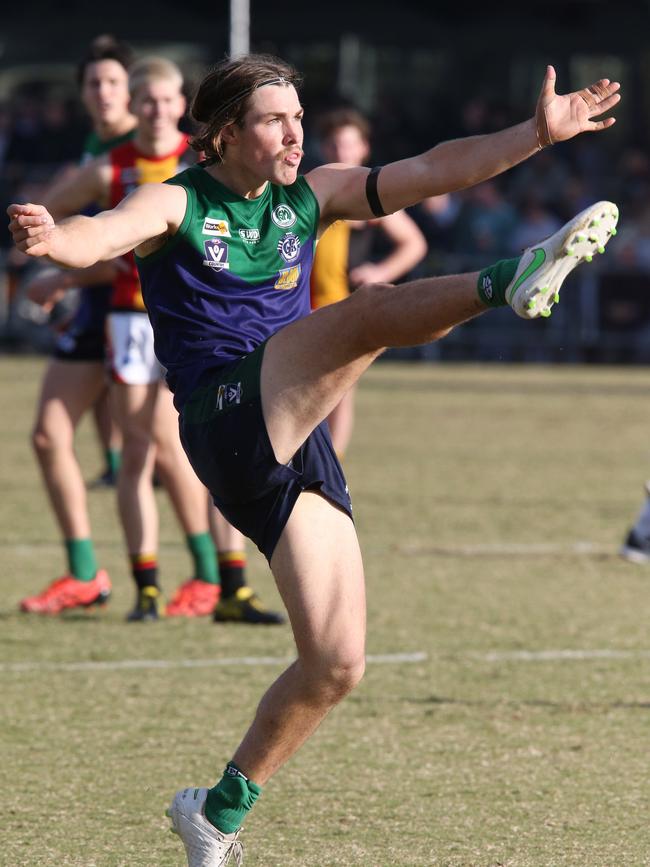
x=229 y=134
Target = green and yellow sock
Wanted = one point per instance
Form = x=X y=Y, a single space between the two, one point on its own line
x=228 y=803
x=493 y=282
x=204 y=557
x=82 y=563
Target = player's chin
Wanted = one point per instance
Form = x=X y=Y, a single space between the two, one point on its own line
x=286 y=174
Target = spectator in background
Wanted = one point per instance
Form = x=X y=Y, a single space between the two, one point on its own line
x=534 y=221
x=485 y=223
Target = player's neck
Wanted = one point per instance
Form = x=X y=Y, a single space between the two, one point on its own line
x=157 y=144
x=238 y=179
x=108 y=131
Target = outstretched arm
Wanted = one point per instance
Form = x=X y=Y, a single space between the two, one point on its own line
x=462 y=163
x=151 y=211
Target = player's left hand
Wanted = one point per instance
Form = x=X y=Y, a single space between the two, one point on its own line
x=367 y=272
x=48 y=288
x=561 y=117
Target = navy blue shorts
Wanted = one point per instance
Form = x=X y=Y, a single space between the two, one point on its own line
x=223 y=432
x=72 y=345
x=85 y=337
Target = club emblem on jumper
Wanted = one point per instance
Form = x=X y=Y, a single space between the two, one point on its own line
x=212 y=226
x=250 y=236
x=283 y=216
x=289 y=247
x=288 y=278
x=229 y=394
x=216 y=254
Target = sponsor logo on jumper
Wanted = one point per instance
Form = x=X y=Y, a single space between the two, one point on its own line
x=229 y=394
x=250 y=236
x=288 y=278
x=216 y=254
x=216 y=227
x=487 y=287
x=283 y=216
x=289 y=246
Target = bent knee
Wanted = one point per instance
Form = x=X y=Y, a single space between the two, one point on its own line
x=334 y=679
x=45 y=441
x=136 y=453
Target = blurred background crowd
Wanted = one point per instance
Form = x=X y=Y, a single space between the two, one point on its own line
x=420 y=77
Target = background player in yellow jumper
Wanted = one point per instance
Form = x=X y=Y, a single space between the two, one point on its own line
x=344 y=255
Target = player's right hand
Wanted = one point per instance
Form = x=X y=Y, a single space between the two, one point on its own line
x=32 y=228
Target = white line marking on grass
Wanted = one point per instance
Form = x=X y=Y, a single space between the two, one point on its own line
x=139 y=664
x=556 y=655
x=511 y=549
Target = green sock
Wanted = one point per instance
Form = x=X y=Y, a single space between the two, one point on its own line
x=230 y=800
x=493 y=281
x=113 y=460
x=82 y=563
x=204 y=556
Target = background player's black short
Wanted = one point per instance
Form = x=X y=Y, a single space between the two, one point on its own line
x=81 y=346
x=224 y=434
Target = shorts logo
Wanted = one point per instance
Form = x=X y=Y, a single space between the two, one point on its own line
x=283 y=216
x=216 y=254
x=216 y=227
x=288 y=278
x=250 y=236
x=289 y=247
x=229 y=394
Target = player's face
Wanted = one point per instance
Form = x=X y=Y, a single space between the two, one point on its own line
x=346 y=145
x=105 y=92
x=158 y=105
x=269 y=141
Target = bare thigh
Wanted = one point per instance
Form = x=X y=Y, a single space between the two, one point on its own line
x=69 y=389
x=319 y=572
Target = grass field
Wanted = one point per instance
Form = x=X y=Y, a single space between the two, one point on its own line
x=490 y=503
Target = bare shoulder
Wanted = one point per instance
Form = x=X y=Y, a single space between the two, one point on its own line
x=325 y=180
x=339 y=191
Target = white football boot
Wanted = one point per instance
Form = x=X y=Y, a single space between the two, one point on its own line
x=205 y=846
x=543 y=267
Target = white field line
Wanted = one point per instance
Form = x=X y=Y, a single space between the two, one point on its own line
x=139 y=664
x=512 y=549
x=373 y=659
x=558 y=655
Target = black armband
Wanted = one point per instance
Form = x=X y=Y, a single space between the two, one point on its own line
x=371 y=192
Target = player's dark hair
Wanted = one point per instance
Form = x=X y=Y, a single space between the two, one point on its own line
x=223 y=95
x=105 y=47
x=335 y=119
